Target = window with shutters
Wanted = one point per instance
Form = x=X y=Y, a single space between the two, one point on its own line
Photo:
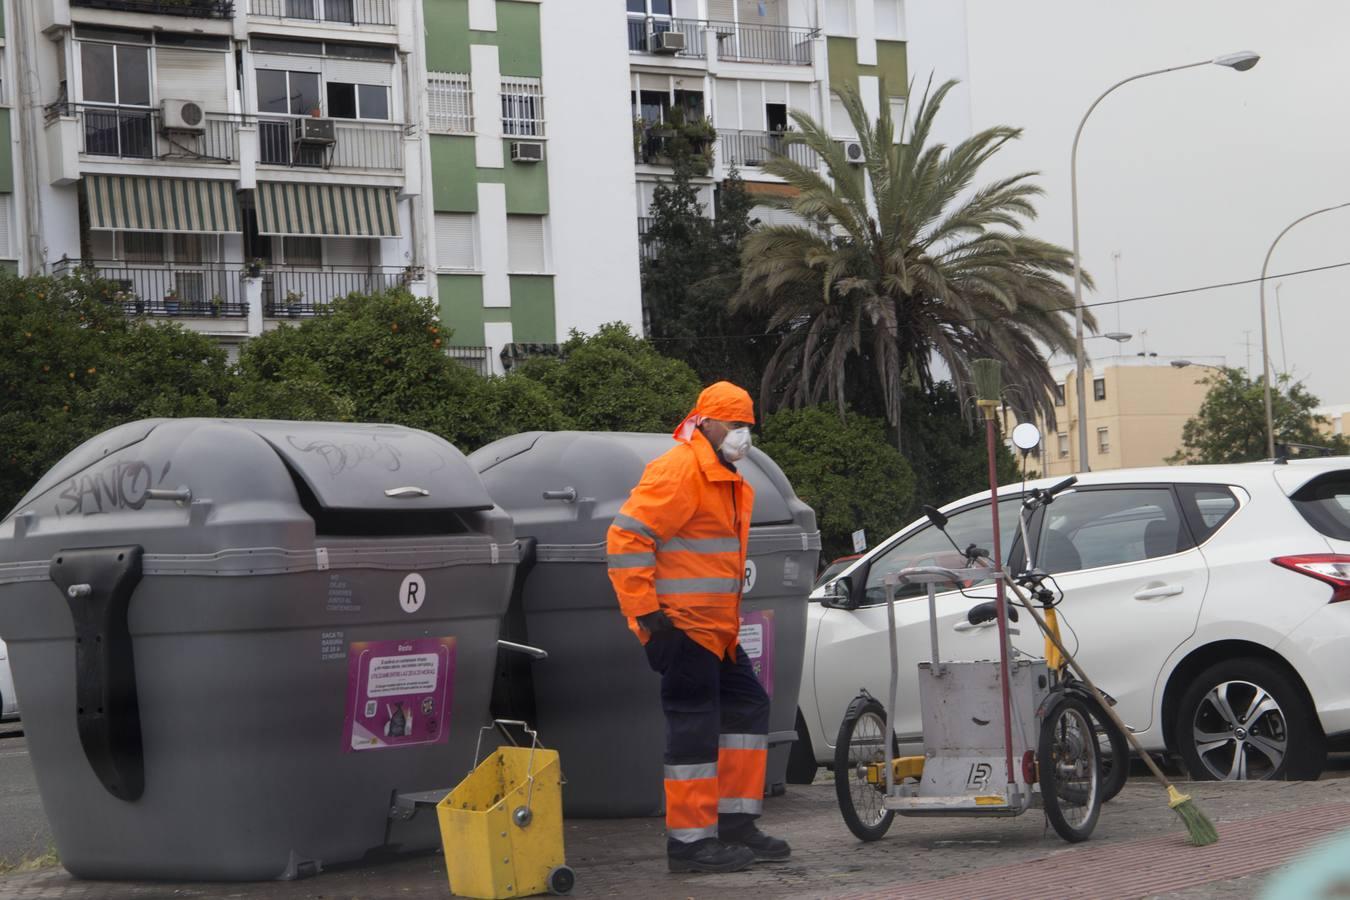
x=456 y=248
x=450 y=103
x=522 y=107
x=889 y=16
x=839 y=17
x=525 y=250
x=303 y=251
x=841 y=126
x=145 y=247
x=7 y=226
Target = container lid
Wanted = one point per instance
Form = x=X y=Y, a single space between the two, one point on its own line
x=375 y=467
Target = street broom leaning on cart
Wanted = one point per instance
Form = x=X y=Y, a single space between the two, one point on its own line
x=677 y=558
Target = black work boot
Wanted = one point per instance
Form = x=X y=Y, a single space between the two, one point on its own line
x=765 y=848
x=708 y=855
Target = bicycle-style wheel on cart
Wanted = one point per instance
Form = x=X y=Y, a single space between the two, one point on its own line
x=860 y=749
x=1070 y=769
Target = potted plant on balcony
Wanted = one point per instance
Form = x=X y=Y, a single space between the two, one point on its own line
x=215 y=305
x=171 y=301
x=293 y=300
x=255 y=267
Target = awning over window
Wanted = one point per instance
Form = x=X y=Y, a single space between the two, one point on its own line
x=136 y=203
x=328 y=210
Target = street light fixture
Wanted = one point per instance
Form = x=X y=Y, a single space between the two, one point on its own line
x=1240 y=62
x=1265 y=341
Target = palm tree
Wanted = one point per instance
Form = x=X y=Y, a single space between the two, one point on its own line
x=877 y=285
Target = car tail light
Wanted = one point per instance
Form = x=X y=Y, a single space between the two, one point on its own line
x=1332 y=568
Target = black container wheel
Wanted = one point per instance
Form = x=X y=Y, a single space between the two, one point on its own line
x=561 y=880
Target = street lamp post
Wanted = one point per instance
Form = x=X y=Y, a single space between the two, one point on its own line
x=1241 y=62
x=1265 y=341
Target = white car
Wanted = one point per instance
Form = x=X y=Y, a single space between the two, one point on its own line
x=1205 y=599
x=9 y=704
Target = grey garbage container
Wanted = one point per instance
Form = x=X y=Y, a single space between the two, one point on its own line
x=597 y=701
x=245 y=647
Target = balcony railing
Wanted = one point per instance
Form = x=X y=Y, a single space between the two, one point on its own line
x=303 y=291
x=133 y=132
x=649 y=249
x=640 y=31
x=358 y=145
x=340 y=12
x=764 y=43
x=182 y=289
x=655 y=145
x=197 y=9
x=754 y=148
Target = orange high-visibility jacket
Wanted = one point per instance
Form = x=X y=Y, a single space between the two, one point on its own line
x=678 y=545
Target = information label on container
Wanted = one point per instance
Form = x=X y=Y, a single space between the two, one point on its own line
x=399 y=693
x=757 y=639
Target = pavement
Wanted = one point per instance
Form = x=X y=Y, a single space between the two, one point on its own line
x=1138 y=850
x=23 y=825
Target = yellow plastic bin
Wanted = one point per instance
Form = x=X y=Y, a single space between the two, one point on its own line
x=502 y=827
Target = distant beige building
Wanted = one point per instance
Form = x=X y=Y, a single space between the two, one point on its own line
x=1337 y=419
x=1135 y=415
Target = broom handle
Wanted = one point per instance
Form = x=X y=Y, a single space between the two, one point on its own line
x=1082 y=676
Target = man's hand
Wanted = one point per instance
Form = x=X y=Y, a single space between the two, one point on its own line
x=656 y=622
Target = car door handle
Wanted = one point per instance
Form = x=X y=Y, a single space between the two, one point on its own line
x=966 y=626
x=1158 y=593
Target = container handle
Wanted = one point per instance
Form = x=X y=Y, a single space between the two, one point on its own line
x=568 y=495
x=407 y=492
x=513 y=647
x=180 y=495
x=524 y=814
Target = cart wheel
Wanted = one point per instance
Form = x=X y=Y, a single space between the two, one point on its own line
x=561 y=880
x=860 y=743
x=1070 y=770
x=1113 y=751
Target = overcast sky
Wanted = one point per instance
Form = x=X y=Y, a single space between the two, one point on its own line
x=1190 y=175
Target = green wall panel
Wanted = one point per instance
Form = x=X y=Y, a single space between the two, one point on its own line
x=461 y=299
x=532 y=316
x=10 y=268
x=497 y=314
x=454 y=180
x=526 y=184
x=447 y=29
x=6 y=155
x=518 y=38
x=893 y=67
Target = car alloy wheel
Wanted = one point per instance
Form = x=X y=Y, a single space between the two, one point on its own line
x=1240 y=732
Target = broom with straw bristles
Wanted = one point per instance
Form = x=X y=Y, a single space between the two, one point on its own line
x=1198 y=825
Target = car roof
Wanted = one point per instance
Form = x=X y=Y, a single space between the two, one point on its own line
x=1289 y=475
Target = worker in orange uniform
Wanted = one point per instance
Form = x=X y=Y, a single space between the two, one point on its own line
x=677 y=561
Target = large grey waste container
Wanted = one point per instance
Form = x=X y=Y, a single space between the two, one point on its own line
x=242 y=644
x=596 y=700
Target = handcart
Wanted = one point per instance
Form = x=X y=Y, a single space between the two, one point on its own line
x=1000 y=736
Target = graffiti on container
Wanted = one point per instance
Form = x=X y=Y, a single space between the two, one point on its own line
x=344 y=457
x=121 y=485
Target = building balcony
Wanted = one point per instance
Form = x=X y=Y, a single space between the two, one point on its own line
x=201 y=290
x=356 y=144
x=138 y=133
x=735 y=42
x=750 y=149
x=657 y=144
x=295 y=292
x=197 y=9
x=328 y=12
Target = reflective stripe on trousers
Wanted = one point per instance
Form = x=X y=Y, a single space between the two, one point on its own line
x=691 y=802
x=741 y=761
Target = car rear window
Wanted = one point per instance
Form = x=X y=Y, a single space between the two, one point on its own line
x=1325 y=503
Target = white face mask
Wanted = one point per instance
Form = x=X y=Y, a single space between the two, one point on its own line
x=735 y=445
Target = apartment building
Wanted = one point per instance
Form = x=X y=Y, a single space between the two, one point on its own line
x=725 y=74
x=1136 y=411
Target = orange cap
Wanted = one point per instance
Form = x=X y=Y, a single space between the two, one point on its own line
x=723 y=401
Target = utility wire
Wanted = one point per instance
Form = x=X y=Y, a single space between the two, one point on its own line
x=1176 y=293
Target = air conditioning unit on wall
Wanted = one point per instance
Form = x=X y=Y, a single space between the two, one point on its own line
x=311 y=130
x=182 y=116
x=527 y=151
x=853 y=152
x=668 y=42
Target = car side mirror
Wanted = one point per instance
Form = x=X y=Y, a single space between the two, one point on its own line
x=838 y=594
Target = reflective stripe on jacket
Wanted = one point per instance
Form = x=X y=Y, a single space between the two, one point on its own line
x=678 y=545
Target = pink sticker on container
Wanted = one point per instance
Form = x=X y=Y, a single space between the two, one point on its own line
x=399 y=693
x=757 y=639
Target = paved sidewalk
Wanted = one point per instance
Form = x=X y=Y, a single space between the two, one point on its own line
x=1138 y=850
